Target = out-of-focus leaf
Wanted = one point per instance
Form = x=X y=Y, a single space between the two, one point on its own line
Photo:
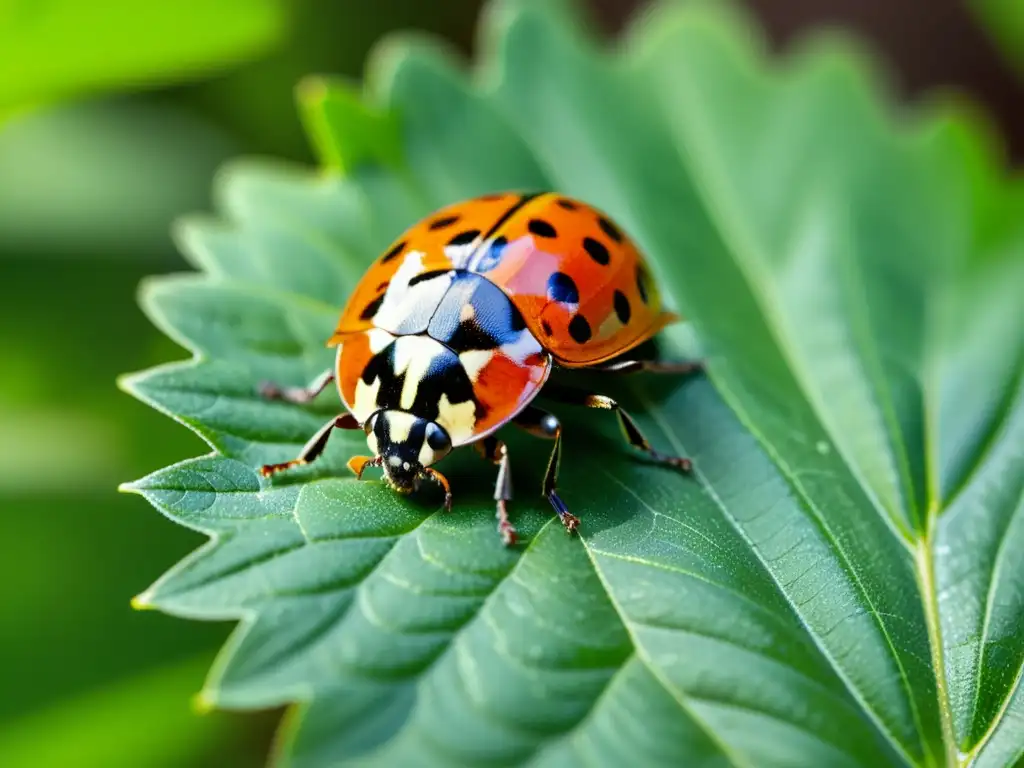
x=62 y=48
x=103 y=180
x=366 y=135
x=836 y=586
x=144 y=720
x=1004 y=20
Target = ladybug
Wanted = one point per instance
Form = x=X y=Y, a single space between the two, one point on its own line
x=456 y=328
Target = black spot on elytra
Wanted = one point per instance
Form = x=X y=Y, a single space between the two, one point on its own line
x=464 y=238
x=641 y=282
x=622 y=308
x=541 y=228
x=579 y=329
x=610 y=229
x=563 y=289
x=395 y=251
x=371 y=309
x=569 y=205
x=492 y=256
x=423 y=276
x=443 y=222
x=546 y=327
x=596 y=250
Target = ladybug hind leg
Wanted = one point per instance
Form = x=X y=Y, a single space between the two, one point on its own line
x=630 y=428
x=545 y=425
x=297 y=395
x=496 y=452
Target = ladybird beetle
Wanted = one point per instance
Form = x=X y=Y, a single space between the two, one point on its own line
x=456 y=328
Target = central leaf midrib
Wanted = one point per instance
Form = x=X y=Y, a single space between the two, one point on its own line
x=852 y=689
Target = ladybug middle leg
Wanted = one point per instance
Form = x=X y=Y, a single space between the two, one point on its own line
x=495 y=451
x=630 y=428
x=542 y=424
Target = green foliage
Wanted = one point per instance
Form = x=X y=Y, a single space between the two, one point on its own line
x=1005 y=21
x=64 y=48
x=127 y=723
x=838 y=585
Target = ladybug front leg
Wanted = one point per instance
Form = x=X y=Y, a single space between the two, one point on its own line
x=629 y=427
x=298 y=395
x=315 y=446
x=546 y=425
x=496 y=452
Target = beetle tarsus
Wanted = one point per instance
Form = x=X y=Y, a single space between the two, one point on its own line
x=509 y=537
x=441 y=480
x=272 y=469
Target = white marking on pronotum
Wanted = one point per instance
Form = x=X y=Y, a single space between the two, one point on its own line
x=378 y=339
x=416 y=366
x=474 y=361
x=366 y=399
x=457 y=419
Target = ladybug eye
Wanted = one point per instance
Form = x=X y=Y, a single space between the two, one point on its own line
x=438 y=439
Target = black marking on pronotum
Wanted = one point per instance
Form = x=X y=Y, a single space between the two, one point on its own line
x=622 y=308
x=445 y=377
x=596 y=250
x=422 y=276
x=546 y=327
x=609 y=229
x=395 y=251
x=579 y=329
x=371 y=309
x=562 y=288
x=443 y=222
x=492 y=257
x=541 y=228
x=641 y=282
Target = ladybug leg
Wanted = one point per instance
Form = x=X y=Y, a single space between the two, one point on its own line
x=629 y=427
x=545 y=425
x=441 y=480
x=315 y=446
x=650 y=366
x=495 y=451
x=298 y=395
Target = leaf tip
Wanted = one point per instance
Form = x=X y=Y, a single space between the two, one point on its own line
x=344 y=129
x=143 y=601
x=204 y=702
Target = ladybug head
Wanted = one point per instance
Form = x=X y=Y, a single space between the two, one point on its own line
x=405 y=445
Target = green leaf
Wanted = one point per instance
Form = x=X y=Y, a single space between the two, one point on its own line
x=65 y=48
x=1005 y=22
x=344 y=130
x=144 y=720
x=837 y=585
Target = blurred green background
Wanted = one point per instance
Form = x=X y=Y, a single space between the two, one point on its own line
x=114 y=117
